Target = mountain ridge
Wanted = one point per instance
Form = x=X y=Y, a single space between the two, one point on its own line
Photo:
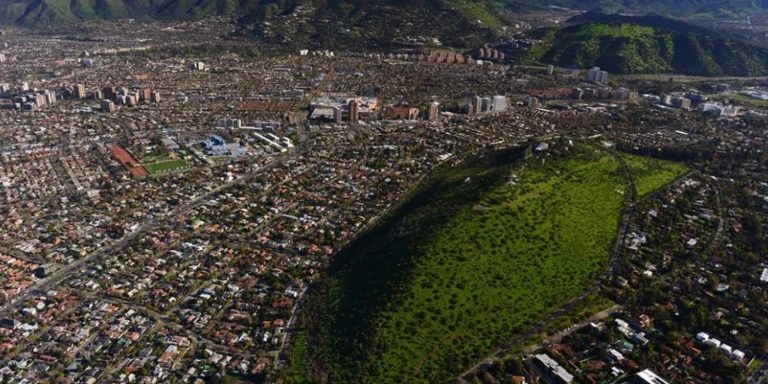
x=618 y=43
x=487 y=12
x=678 y=8
x=627 y=47
x=58 y=12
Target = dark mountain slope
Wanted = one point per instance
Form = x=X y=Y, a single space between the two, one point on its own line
x=58 y=12
x=679 y=8
x=367 y=24
x=635 y=48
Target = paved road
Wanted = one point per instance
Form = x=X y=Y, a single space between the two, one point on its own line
x=153 y=223
x=573 y=328
x=58 y=276
x=288 y=334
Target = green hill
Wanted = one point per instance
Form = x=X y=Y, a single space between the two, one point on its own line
x=488 y=12
x=678 y=8
x=58 y=12
x=480 y=254
x=369 y=24
x=623 y=47
x=62 y=12
x=291 y=24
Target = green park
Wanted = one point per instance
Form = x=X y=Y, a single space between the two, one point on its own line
x=478 y=254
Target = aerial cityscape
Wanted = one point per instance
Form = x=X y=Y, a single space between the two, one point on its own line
x=382 y=191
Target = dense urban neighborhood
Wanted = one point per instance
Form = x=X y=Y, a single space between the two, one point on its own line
x=183 y=212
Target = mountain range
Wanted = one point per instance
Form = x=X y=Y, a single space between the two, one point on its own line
x=57 y=12
x=677 y=8
x=485 y=12
x=648 y=44
x=619 y=44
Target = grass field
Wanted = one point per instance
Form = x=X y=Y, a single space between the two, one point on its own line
x=477 y=256
x=651 y=174
x=166 y=166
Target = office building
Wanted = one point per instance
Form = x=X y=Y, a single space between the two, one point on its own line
x=499 y=104
x=433 y=111
x=400 y=113
x=50 y=97
x=107 y=106
x=109 y=92
x=197 y=66
x=353 y=111
x=478 y=104
x=79 y=91
x=230 y=123
x=145 y=95
x=486 y=105
x=595 y=75
x=39 y=100
x=682 y=103
x=475 y=105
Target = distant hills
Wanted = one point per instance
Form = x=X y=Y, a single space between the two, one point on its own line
x=677 y=8
x=643 y=47
x=302 y=23
x=57 y=12
x=487 y=12
x=368 y=24
x=44 y=13
x=620 y=44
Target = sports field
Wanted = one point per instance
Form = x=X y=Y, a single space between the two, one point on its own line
x=166 y=166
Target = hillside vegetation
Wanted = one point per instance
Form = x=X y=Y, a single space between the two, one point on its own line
x=650 y=174
x=702 y=9
x=480 y=254
x=61 y=12
x=633 y=48
x=363 y=25
x=490 y=13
